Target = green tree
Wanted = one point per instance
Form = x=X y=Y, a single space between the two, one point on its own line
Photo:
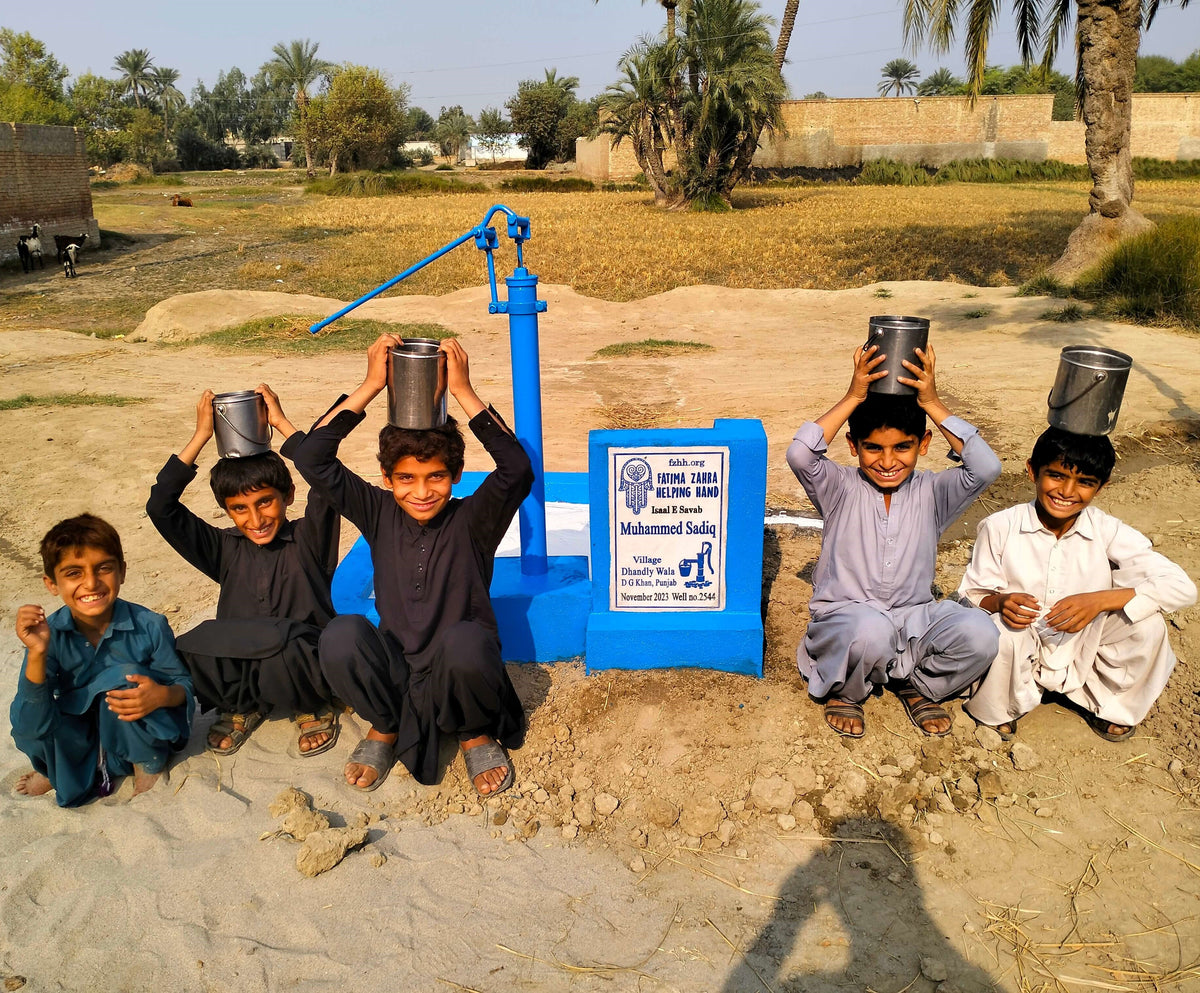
x=102 y=116
x=162 y=82
x=419 y=124
x=816 y=95
x=1159 y=74
x=358 y=121
x=709 y=93
x=492 y=130
x=297 y=68
x=899 y=76
x=31 y=81
x=940 y=83
x=452 y=131
x=135 y=66
x=1107 y=35
x=538 y=112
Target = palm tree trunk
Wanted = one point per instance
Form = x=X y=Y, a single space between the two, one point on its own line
x=671 y=19
x=785 y=32
x=1109 y=32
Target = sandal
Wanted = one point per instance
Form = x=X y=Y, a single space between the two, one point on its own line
x=236 y=727
x=324 y=724
x=487 y=756
x=1101 y=727
x=377 y=755
x=921 y=710
x=1006 y=729
x=844 y=708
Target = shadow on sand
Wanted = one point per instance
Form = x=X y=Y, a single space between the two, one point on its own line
x=854 y=917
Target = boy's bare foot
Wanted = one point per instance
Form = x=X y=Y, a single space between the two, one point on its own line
x=143 y=780
x=361 y=775
x=927 y=716
x=490 y=780
x=33 y=784
x=845 y=717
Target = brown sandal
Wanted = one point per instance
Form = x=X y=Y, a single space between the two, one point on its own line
x=844 y=708
x=921 y=710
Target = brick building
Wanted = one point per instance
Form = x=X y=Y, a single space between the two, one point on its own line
x=43 y=180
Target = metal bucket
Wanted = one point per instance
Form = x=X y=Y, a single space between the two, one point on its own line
x=417 y=385
x=1088 y=389
x=240 y=424
x=898 y=338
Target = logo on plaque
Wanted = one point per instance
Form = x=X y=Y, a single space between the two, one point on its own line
x=669 y=511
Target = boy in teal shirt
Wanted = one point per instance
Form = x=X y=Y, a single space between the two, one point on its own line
x=102 y=692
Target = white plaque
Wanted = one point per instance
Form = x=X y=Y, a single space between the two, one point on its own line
x=669 y=508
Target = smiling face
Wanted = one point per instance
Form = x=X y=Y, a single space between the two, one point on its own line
x=259 y=514
x=887 y=456
x=421 y=488
x=88 y=579
x=1062 y=494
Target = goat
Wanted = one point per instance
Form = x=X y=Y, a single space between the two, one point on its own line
x=69 y=254
x=29 y=247
x=68 y=247
x=180 y=201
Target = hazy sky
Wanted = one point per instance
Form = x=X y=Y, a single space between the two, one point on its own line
x=473 y=52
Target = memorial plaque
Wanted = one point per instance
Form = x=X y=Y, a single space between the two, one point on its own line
x=669 y=510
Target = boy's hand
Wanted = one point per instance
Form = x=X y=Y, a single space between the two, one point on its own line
x=204 y=415
x=275 y=415
x=377 y=362
x=1019 y=610
x=458 y=377
x=32 y=629
x=922 y=378
x=143 y=698
x=1074 y=613
x=866 y=362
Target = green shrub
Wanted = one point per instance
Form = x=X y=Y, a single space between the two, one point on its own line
x=443 y=167
x=1161 y=169
x=544 y=184
x=886 y=172
x=377 y=184
x=1154 y=277
x=259 y=157
x=1043 y=286
x=425 y=157
x=1069 y=314
x=1008 y=171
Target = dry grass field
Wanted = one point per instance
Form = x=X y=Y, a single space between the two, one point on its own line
x=255 y=232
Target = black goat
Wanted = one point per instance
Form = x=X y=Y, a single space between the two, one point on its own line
x=29 y=248
x=68 y=246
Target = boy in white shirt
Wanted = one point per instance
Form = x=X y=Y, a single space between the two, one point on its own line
x=1078 y=597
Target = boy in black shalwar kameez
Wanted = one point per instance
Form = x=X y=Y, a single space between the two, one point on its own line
x=433 y=666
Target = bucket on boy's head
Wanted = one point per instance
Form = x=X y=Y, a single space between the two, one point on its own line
x=417 y=384
x=1088 y=389
x=240 y=424
x=898 y=338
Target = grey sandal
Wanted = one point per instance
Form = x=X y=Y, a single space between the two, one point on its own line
x=236 y=727
x=377 y=755
x=487 y=756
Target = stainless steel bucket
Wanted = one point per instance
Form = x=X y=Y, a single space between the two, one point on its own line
x=417 y=385
x=1088 y=389
x=898 y=338
x=240 y=424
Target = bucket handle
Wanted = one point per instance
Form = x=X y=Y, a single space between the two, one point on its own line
x=220 y=409
x=1097 y=379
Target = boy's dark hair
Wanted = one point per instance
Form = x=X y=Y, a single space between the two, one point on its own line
x=229 y=477
x=84 y=531
x=882 y=410
x=1085 y=453
x=445 y=443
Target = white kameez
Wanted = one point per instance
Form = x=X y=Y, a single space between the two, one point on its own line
x=1117 y=666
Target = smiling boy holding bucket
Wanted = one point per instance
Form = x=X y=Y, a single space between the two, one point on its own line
x=1077 y=595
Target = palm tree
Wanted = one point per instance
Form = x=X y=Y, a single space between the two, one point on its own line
x=297 y=67
x=566 y=85
x=669 y=6
x=638 y=108
x=899 y=75
x=134 y=66
x=940 y=83
x=1107 y=35
x=163 y=81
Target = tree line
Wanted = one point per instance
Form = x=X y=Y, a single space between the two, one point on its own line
x=342 y=116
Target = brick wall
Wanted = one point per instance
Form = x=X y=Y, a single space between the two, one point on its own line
x=936 y=130
x=43 y=180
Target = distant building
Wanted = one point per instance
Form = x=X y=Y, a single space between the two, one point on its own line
x=473 y=151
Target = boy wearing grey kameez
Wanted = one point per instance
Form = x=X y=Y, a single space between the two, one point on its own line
x=873 y=617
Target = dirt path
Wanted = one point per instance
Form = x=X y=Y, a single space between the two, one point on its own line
x=1081 y=865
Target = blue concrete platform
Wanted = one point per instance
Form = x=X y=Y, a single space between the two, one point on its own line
x=541 y=618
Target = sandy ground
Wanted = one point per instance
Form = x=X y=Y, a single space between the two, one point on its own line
x=748 y=848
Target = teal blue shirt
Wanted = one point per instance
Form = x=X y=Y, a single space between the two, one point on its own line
x=137 y=640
